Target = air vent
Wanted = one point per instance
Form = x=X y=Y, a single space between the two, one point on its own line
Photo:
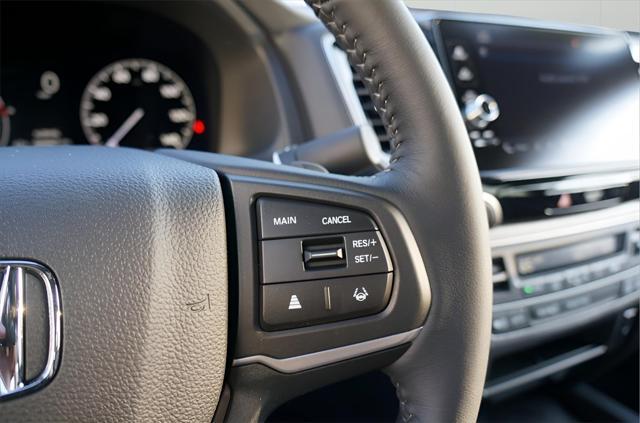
x=359 y=104
x=370 y=112
x=500 y=277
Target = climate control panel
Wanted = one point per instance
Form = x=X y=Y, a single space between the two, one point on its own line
x=319 y=263
x=536 y=288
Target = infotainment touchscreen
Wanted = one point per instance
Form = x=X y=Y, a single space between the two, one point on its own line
x=565 y=99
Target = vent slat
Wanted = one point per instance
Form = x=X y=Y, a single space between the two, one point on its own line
x=372 y=116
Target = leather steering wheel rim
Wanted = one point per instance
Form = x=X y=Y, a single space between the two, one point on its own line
x=433 y=176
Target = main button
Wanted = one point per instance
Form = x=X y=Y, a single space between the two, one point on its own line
x=283 y=260
x=279 y=218
x=290 y=305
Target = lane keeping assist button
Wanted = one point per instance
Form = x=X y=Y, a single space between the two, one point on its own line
x=297 y=304
x=280 y=218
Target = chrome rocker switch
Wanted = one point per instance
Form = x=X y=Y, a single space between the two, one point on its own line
x=324 y=253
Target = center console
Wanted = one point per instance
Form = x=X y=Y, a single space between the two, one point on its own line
x=543 y=280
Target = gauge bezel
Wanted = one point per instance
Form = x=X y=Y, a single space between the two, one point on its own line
x=105 y=75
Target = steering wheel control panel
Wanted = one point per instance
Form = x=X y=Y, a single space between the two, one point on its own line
x=319 y=263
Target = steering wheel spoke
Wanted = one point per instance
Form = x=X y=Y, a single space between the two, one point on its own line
x=296 y=319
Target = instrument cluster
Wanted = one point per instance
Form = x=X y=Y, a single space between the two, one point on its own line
x=103 y=74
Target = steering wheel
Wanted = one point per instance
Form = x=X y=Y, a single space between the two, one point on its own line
x=154 y=263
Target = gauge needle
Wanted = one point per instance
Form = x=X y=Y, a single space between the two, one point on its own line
x=124 y=129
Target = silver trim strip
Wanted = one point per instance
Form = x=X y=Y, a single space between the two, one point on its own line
x=573 y=185
x=11 y=324
x=513 y=175
x=516 y=234
x=321 y=358
x=18 y=280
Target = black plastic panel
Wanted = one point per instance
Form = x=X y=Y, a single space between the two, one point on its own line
x=410 y=296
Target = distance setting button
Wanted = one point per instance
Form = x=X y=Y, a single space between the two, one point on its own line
x=280 y=218
x=292 y=304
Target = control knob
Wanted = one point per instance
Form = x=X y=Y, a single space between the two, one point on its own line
x=480 y=110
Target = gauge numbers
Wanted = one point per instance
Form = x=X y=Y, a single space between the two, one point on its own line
x=137 y=103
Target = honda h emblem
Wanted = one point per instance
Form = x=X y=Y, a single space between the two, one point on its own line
x=30 y=324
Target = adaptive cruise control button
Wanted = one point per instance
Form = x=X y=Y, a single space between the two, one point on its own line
x=280 y=218
x=290 y=305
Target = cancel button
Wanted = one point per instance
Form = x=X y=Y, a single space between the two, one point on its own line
x=336 y=220
x=280 y=218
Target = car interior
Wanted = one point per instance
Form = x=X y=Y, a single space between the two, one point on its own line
x=316 y=211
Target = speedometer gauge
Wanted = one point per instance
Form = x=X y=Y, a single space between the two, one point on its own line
x=137 y=103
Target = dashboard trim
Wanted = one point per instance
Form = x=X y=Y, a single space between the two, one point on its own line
x=583 y=225
x=503 y=343
x=514 y=175
x=564 y=362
